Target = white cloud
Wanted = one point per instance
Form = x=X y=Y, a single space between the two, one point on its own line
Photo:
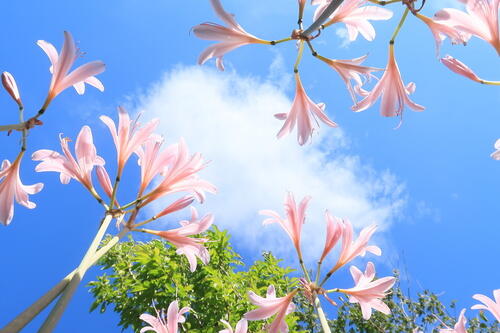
x=229 y=118
x=344 y=36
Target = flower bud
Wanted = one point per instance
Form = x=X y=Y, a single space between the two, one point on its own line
x=10 y=86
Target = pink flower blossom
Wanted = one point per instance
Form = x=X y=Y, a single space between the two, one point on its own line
x=369 y=293
x=354 y=16
x=181 y=175
x=9 y=83
x=441 y=31
x=481 y=20
x=12 y=188
x=460 y=68
x=129 y=136
x=295 y=218
x=241 y=327
x=303 y=112
x=104 y=181
x=61 y=65
x=79 y=169
x=229 y=38
x=491 y=305
x=334 y=230
x=188 y=246
x=158 y=323
x=459 y=326
x=496 y=154
x=270 y=306
x=351 y=249
x=394 y=93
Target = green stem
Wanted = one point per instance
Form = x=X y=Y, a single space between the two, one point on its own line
x=299 y=57
x=321 y=315
x=400 y=24
x=318 y=270
x=493 y=83
x=113 y=194
x=274 y=42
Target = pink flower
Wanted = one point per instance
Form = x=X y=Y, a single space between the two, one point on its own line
x=181 y=175
x=295 y=218
x=441 y=31
x=176 y=206
x=351 y=70
x=351 y=249
x=369 y=293
x=158 y=323
x=12 y=188
x=394 y=93
x=459 y=67
x=271 y=305
x=230 y=37
x=489 y=304
x=129 y=136
x=79 y=169
x=103 y=178
x=459 y=326
x=10 y=86
x=61 y=65
x=354 y=16
x=496 y=154
x=241 y=327
x=190 y=247
x=303 y=112
x=334 y=230
x=480 y=20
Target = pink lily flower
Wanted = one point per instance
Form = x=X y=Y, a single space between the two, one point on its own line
x=270 y=306
x=158 y=323
x=334 y=230
x=79 y=169
x=394 y=93
x=295 y=218
x=229 y=38
x=241 y=326
x=354 y=17
x=441 y=31
x=303 y=112
x=481 y=20
x=459 y=326
x=104 y=181
x=181 y=175
x=351 y=249
x=369 y=293
x=176 y=206
x=460 y=68
x=129 y=136
x=61 y=65
x=496 y=154
x=12 y=188
x=351 y=70
x=9 y=83
x=190 y=247
x=489 y=304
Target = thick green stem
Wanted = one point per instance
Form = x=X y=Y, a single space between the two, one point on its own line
x=321 y=315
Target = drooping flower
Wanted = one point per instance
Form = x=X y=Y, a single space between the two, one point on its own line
x=394 y=93
x=270 y=306
x=354 y=17
x=158 y=323
x=351 y=70
x=176 y=206
x=9 y=83
x=492 y=306
x=79 y=169
x=12 y=188
x=459 y=326
x=368 y=292
x=230 y=37
x=496 y=154
x=181 y=175
x=481 y=20
x=295 y=218
x=334 y=230
x=241 y=326
x=303 y=113
x=61 y=64
x=460 y=68
x=441 y=31
x=129 y=136
x=188 y=246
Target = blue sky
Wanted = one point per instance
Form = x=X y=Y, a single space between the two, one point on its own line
x=430 y=185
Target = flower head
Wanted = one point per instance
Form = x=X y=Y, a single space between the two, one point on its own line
x=270 y=306
x=459 y=326
x=369 y=293
x=158 y=323
x=492 y=306
x=460 y=68
x=230 y=37
x=440 y=31
x=303 y=112
x=241 y=327
x=12 y=188
x=61 y=64
x=9 y=83
x=334 y=230
x=69 y=167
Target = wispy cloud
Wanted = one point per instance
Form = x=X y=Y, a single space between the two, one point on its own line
x=229 y=118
